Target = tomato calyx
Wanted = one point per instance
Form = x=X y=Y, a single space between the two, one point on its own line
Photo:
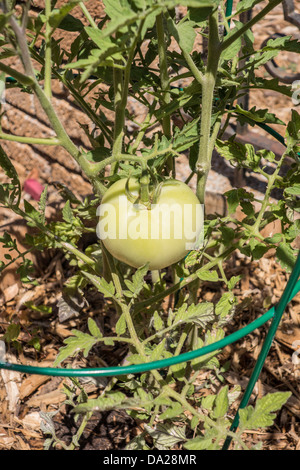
x=148 y=193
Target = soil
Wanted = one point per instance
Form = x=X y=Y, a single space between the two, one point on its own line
x=22 y=397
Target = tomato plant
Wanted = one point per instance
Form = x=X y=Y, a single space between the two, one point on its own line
x=148 y=51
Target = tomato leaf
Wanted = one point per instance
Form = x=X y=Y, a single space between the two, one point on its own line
x=94 y=329
x=286 y=256
x=221 y=403
x=200 y=314
x=262 y=415
x=211 y=276
x=136 y=285
x=107 y=289
x=74 y=344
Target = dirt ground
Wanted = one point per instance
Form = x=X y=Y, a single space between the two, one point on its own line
x=22 y=397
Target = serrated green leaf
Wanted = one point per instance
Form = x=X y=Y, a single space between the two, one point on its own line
x=286 y=256
x=25 y=271
x=200 y=314
x=74 y=344
x=225 y=304
x=293 y=190
x=9 y=193
x=106 y=288
x=70 y=23
x=136 y=285
x=58 y=14
x=172 y=411
x=208 y=360
x=211 y=276
x=199 y=443
x=245 y=5
x=137 y=443
x=234 y=48
x=12 y=332
x=32 y=212
x=135 y=359
x=184 y=34
x=293 y=132
x=94 y=329
x=208 y=402
x=231 y=150
x=273 y=84
x=67 y=213
x=259 y=115
x=233 y=281
x=233 y=200
x=121 y=325
x=166 y=435
x=221 y=403
x=158 y=352
x=263 y=414
x=157 y=321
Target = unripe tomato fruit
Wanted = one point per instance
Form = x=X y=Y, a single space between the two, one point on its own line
x=161 y=234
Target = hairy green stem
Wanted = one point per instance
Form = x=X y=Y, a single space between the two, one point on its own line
x=119 y=112
x=203 y=164
x=266 y=202
x=29 y=140
x=182 y=400
x=87 y=15
x=163 y=67
x=125 y=310
x=20 y=77
x=179 y=346
x=48 y=51
x=198 y=75
x=121 y=84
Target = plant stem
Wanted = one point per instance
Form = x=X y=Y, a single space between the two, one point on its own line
x=193 y=68
x=29 y=140
x=179 y=347
x=48 y=51
x=203 y=164
x=173 y=394
x=121 y=84
x=266 y=201
x=20 y=77
x=127 y=315
x=75 y=439
x=119 y=112
x=87 y=15
x=164 y=76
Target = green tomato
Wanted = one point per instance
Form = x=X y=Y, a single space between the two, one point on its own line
x=160 y=234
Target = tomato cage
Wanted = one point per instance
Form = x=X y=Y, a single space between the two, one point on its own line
x=275 y=314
